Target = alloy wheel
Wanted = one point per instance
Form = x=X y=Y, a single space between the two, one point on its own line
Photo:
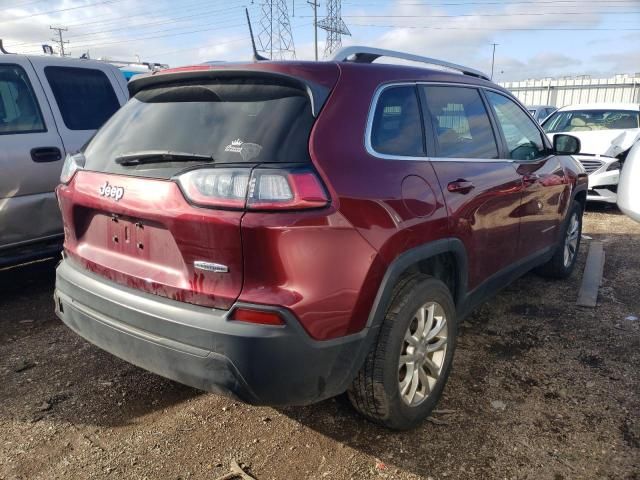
x=571 y=240
x=422 y=355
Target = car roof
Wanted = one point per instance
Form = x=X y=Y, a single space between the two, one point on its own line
x=601 y=106
x=389 y=72
x=55 y=60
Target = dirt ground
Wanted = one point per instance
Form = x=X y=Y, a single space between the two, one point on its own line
x=541 y=389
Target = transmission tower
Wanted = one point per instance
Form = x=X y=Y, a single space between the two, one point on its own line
x=61 y=43
x=335 y=27
x=275 y=39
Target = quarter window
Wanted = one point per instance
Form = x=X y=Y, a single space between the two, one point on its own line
x=461 y=125
x=19 y=111
x=523 y=138
x=84 y=96
x=397 y=125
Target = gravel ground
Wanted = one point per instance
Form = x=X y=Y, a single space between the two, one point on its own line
x=540 y=389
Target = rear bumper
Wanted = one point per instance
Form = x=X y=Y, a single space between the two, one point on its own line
x=200 y=347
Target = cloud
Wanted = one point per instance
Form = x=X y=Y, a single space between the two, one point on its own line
x=465 y=40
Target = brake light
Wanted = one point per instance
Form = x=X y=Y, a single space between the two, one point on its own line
x=260 y=317
x=257 y=189
x=216 y=187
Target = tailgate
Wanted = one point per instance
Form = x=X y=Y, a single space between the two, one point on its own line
x=149 y=238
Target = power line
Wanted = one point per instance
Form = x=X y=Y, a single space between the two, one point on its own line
x=59 y=10
x=61 y=43
x=428 y=27
x=625 y=3
x=275 y=37
x=521 y=14
x=143 y=25
x=335 y=27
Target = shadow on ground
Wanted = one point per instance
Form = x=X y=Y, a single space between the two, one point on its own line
x=47 y=371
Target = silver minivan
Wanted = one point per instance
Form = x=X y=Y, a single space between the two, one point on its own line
x=49 y=106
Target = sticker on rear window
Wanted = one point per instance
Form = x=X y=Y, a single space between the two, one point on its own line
x=247 y=150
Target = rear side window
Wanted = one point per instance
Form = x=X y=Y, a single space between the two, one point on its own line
x=461 y=125
x=523 y=138
x=397 y=125
x=233 y=121
x=84 y=96
x=19 y=110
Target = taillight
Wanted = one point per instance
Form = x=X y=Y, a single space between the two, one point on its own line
x=72 y=163
x=216 y=187
x=257 y=189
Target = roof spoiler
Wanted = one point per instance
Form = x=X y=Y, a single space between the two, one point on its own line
x=317 y=94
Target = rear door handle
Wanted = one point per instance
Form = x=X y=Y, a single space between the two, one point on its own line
x=46 y=154
x=460 y=186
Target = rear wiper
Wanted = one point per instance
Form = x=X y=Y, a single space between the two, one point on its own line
x=159 y=156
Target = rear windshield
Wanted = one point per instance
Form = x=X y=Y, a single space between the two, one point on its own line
x=589 y=120
x=240 y=121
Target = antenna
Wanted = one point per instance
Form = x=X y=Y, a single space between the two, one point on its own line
x=335 y=27
x=275 y=38
x=256 y=56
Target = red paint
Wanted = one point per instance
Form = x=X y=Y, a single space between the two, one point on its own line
x=325 y=265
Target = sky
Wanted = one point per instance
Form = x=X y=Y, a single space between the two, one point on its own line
x=535 y=38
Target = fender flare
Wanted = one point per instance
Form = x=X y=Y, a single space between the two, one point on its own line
x=404 y=261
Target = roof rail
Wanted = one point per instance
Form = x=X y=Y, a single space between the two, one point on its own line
x=368 y=55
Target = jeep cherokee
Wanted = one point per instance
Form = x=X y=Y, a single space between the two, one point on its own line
x=284 y=232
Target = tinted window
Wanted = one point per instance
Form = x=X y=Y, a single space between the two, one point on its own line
x=461 y=124
x=397 y=126
x=235 y=121
x=19 y=111
x=84 y=96
x=589 y=120
x=523 y=138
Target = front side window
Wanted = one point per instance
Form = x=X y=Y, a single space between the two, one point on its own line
x=590 y=120
x=461 y=124
x=19 y=111
x=523 y=138
x=397 y=125
x=84 y=96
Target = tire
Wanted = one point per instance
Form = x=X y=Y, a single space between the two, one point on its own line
x=559 y=266
x=376 y=390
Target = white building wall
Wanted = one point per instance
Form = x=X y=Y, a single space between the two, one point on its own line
x=577 y=90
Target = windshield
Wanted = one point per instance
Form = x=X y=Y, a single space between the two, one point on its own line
x=588 y=120
x=232 y=122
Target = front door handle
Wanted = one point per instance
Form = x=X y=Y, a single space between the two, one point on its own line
x=46 y=154
x=460 y=186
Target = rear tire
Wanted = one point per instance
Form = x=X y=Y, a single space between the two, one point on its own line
x=564 y=259
x=406 y=370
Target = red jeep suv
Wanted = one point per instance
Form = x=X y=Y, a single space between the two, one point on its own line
x=285 y=232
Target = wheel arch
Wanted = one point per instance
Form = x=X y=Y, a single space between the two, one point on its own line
x=445 y=259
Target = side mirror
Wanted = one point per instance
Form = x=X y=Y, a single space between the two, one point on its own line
x=566 y=144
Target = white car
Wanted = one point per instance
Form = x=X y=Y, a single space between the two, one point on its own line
x=629 y=188
x=606 y=132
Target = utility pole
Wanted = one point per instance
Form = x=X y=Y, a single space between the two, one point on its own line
x=335 y=27
x=315 y=6
x=275 y=38
x=59 y=40
x=493 y=58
